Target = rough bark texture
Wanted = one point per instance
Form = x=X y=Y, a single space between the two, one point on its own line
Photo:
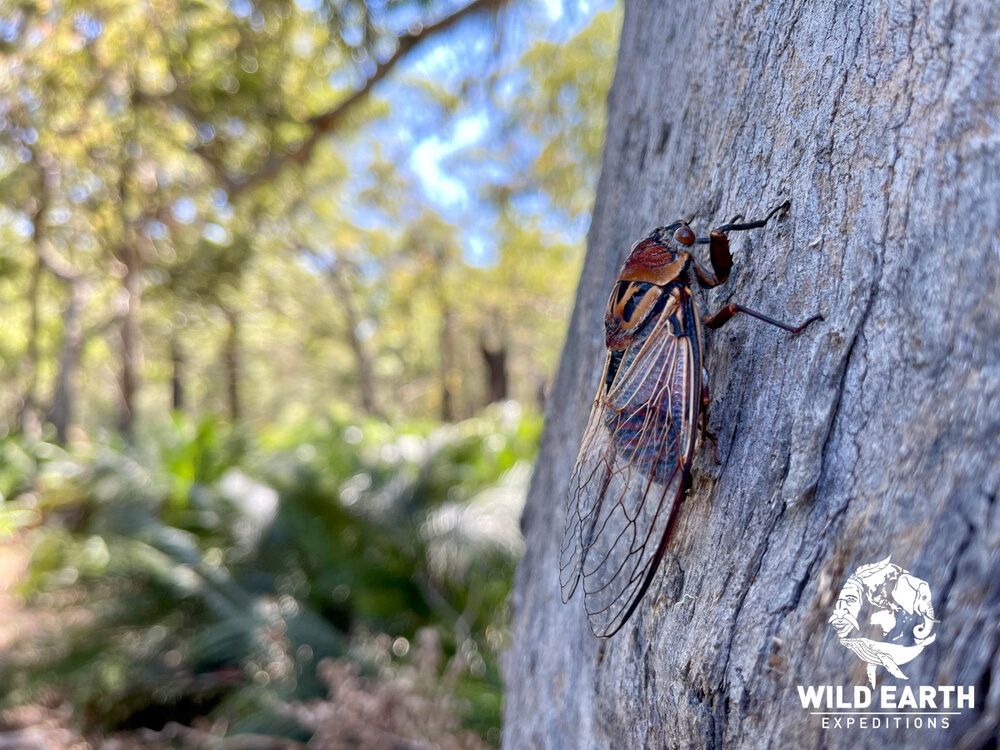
x=874 y=433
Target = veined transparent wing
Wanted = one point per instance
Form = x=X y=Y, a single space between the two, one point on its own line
x=631 y=472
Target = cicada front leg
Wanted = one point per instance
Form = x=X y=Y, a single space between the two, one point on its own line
x=718 y=246
x=722 y=260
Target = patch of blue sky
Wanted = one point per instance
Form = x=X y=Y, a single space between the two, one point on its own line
x=79 y=192
x=224 y=212
x=22 y=225
x=360 y=157
x=448 y=58
x=87 y=25
x=241 y=8
x=481 y=249
x=11 y=24
x=216 y=234
x=448 y=61
x=184 y=210
x=581 y=224
x=156 y=230
x=317 y=261
x=59 y=215
x=370 y=269
x=369 y=218
x=27 y=97
x=530 y=203
x=433 y=148
x=352 y=36
x=220 y=198
x=404 y=17
x=428 y=161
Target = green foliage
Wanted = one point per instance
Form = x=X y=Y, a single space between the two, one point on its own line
x=199 y=573
x=190 y=227
x=129 y=130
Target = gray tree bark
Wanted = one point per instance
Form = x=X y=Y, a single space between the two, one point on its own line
x=875 y=433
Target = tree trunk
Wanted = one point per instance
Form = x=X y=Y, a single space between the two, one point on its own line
x=362 y=356
x=450 y=376
x=232 y=366
x=61 y=411
x=130 y=344
x=494 y=353
x=872 y=434
x=27 y=414
x=176 y=373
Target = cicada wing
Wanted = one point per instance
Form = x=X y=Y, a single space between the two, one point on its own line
x=586 y=487
x=630 y=477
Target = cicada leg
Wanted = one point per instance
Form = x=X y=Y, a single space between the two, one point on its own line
x=718 y=246
x=722 y=261
x=726 y=314
x=732 y=226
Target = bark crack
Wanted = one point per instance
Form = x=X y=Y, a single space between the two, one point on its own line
x=744 y=593
x=845 y=368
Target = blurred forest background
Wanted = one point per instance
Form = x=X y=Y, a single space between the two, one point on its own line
x=282 y=286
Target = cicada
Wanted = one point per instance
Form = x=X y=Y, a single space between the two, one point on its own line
x=634 y=465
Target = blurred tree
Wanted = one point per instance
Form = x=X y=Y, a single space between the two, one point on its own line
x=313 y=218
x=161 y=157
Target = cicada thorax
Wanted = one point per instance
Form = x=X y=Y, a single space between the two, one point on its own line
x=632 y=305
x=641 y=291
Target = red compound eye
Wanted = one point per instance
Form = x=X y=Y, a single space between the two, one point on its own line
x=684 y=235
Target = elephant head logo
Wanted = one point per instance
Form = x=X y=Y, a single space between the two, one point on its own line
x=900 y=621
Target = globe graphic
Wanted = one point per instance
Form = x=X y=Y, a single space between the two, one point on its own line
x=885 y=616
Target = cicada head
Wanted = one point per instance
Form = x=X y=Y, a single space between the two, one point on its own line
x=660 y=257
x=652 y=264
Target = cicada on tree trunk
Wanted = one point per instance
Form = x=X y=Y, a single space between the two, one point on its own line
x=634 y=465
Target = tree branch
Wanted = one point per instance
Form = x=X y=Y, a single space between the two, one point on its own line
x=329 y=120
x=61 y=269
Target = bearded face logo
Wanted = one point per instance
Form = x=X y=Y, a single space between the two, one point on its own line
x=899 y=622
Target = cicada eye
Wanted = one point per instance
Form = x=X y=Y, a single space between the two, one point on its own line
x=684 y=235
